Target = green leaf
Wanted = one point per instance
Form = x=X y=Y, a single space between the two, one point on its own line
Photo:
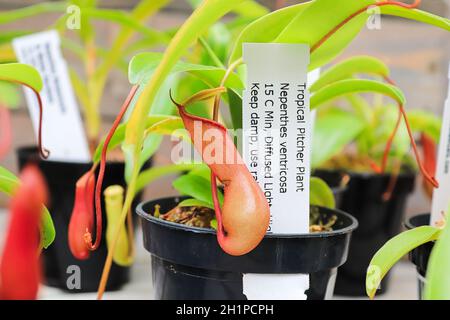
x=350 y=67
x=209 y=54
x=235 y=104
x=386 y=118
x=266 y=28
x=22 y=74
x=423 y=121
x=333 y=130
x=48 y=232
x=201 y=19
x=30 y=11
x=312 y=21
x=320 y=193
x=251 y=9
x=202 y=170
x=318 y=20
x=393 y=250
x=418 y=15
x=218 y=39
x=195 y=203
x=148 y=176
x=157 y=124
x=8 y=181
x=248 y=9
x=8 y=184
x=6 y=37
x=437 y=286
x=361 y=107
x=197 y=187
x=343 y=87
x=143 y=65
x=121 y=18
x=9 y=96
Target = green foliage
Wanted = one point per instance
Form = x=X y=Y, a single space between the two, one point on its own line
x=332 y=132
x=197 y=187
x=321 y=194
x=351 y=86
x=143 y=65
x=393 y=250
x=349 y=68
x=21 y=74
x=195 y=203
x=148 y=176
x=9 y=96
x=438 y=279
x=156 y=124
x=197 y=184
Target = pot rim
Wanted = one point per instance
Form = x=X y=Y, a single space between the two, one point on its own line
x=408 y=224
x=367 y=175
x=143 y=214
x=33 y=151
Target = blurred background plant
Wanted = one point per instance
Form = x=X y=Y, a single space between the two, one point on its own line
x=367 y=133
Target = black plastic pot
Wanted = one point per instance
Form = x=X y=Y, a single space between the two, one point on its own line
x=379 y=220
x=188 y=264
x=57 y=259
x=420 y=255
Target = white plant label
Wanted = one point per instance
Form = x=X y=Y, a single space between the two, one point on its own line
x=276 y=148
x=441 y=200
x=62 y=132
x=277 y=130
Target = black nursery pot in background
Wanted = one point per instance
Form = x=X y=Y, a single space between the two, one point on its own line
x=420 y=255
x=188 y=264
x=58 y=261
x=379 y=220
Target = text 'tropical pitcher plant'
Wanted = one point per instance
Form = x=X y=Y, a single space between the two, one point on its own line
x=327 y=27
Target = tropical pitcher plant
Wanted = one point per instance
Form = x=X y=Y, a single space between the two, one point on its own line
x=325 y=25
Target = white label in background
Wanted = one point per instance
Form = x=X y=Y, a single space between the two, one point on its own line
x=62 y=132
x=441 y=199
x=276 y=126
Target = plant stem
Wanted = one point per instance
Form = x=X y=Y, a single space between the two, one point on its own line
x=126 y=207
x=227 y=74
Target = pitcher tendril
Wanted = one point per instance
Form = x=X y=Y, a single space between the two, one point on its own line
x=390 y=141
x=101 y=174
x=362 y=10
x=42 y=151
x=428 y=176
